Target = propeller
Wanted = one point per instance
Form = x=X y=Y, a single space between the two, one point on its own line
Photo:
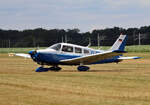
x=33 y=52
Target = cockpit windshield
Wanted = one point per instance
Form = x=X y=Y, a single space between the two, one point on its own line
x=55 y=47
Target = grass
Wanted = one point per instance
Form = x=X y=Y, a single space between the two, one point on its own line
x=137 y=48
x=126 y=83
x=142 y=48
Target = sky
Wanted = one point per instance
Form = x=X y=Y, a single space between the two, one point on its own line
x=85 y=15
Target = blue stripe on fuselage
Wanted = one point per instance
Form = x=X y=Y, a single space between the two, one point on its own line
x=54 y=58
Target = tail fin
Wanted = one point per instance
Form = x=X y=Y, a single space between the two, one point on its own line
x=120 y=43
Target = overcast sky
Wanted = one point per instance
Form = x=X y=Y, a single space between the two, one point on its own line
x=68 y=14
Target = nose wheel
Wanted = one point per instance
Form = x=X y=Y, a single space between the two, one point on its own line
x=41 y=69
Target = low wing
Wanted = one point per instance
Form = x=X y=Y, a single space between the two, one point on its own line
x=127 y=58
x=92 y=58
x=23 y=55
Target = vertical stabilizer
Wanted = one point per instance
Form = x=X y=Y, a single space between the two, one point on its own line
x=120 y=43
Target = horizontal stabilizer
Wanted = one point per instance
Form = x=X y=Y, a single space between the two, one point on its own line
x=126 y=58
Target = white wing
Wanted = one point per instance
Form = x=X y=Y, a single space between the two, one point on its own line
x=23 y=55
x=92 y=58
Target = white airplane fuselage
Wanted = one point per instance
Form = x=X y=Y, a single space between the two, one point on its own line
x=52 y=56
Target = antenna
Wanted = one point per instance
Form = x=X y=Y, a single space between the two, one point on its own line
x=89 y=42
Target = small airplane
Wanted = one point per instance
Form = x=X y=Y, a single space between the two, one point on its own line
x=70 y=54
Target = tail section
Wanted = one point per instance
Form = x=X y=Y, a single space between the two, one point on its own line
x=120 y=43
x=119 y=47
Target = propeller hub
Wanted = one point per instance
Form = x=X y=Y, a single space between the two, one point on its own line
x=33 y=52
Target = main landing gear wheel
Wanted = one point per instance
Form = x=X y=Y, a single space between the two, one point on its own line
x=83 y=68
x=55 y=68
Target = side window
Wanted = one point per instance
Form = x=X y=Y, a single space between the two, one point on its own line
x=86 y=51
x=56 y=47
x=78 y=50
x=93 y=52
x=67 y=48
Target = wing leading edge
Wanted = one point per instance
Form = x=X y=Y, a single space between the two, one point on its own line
x=92 y=58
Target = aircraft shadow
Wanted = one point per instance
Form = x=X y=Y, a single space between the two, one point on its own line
x=119 y=70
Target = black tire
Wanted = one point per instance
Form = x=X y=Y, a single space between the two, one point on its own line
x=55 y=68
x=83 y=68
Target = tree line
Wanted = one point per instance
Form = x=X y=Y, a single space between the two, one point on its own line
x=44 y=37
